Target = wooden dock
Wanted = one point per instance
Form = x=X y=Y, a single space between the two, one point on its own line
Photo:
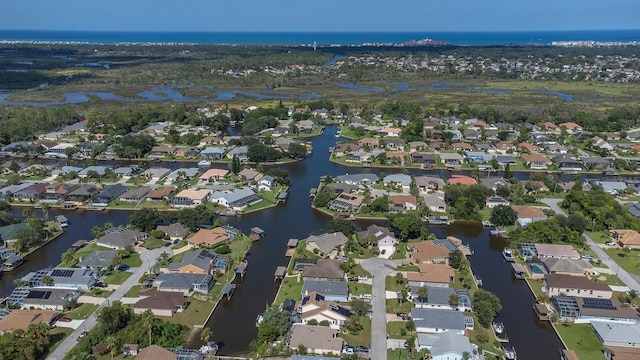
x=228 y=290
x=256 y=234
x=291 y=247
x=280 y=273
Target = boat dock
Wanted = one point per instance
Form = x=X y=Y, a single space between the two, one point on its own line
x=240 y=269
x=541 y=310
x=518 y=271
x=256 y=233
x=228 y=290
x=291 y=247
x=62 y=220
x=280 y=273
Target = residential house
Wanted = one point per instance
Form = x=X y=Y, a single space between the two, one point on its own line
x=99 y=259
x=389 y=131
x=175 y=231
x=237 y=199
x=63 y=278
x=118 y=238
x=83 y=193
x=536 y=161
x=315 y=307
x=320 y=340
x=214 y=174
x=428 y=252
x=357 y=179
x=327 y=243
x=212 y=153
x=401 y=180
x=493 y=182
x=460 y=146
x=426 y=183
x=626 y=238
x=571 y=127
x=324 y=269
x=556 y=251
x=182 y=174
x=346 y=202
x=574 y=267
x=155 y=352
x=239 y=152
x=201 y=261
x=160 y=194
x=437 y=298
x=21 y=319
x=8 y=232
x=493 y=201
x=528 y=214
x=578 y=286
x=400 y=203
x=209 y=237
x=618 y=335
x=50 y=299
x=160 y=151
x=556 y=149
x=31 y=193
x=446 y=346
x=452 y=160
x=190 y=198
x=183 y=283
x=331 y=290
x=435 y=202
x=94 y=169
x=567 y=163
x=384 y=239
x=160 y=303
x=266 y=183
x=596 y=162
x=155 y=173
x=135 y=195
x=438 y=321
x=127 y=172
x=440 y=275
x=462 y=180
x=109 y=194
x=427 y=159
x=248 y=174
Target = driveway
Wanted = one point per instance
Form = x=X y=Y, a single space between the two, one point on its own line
x=632 y=281
x=148 y=258
x=379 y=269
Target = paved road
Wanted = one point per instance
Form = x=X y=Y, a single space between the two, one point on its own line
x=630 y=280
x=379 y=269
x=148 y=258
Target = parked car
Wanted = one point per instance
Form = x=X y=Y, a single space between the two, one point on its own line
x=82 y=334
x=64 y=319
x=362 y=349
x=122 y=267
x=347 y=350
x=587 y=256
x=609 y=243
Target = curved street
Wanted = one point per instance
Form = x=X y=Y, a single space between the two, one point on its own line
x=632 y=281
x=379 y=269
x=148 y=258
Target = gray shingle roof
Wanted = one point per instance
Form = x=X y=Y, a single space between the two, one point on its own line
x=333 y=288
x=98 y=258
x=619 y=333
x=201 y=259
x=181 y=281
x=438 y=319
x=436 y=295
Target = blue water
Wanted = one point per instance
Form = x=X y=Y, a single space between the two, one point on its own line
x=321 y=38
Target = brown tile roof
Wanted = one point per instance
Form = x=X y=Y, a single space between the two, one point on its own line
x=620 y=353
x=155 y=352
x=208 y=237
x=160 y=300
x=428 y=251
x=402 y=199
x=436 y=273
x=626 y=236
x=161 y=192
x=561 y=281
x=526 y=211
x=21 y=319
x=462 y=180
x=535 y=157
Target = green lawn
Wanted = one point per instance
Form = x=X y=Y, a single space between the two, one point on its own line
x=81 y=312
x=133 y=260
x=134 y=291
x=195 y=313
x=117 y=277
x=400 y=252
x=392 y=285
x=359 y=289
x=97 y=292
x=394 y=329
x=393 y=306
x=84 y=252
x=581 y=339
x=153 y=243
x=289 y=289
x=56 y=335
x=630 y=262
x=363 y=338
x=357 y=270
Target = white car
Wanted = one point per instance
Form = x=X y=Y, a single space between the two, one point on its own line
x=347 y=350
x=610 y=243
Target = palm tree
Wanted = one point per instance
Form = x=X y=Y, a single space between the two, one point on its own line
x=147 y=321
x=423 y=292
x=205 y=335
x=112 y=344
x=26 y=212
x=67 y=256
x=45 y=211
x=47 y=280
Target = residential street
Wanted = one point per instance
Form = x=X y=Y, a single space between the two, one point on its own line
x=379 y=269
x=632 y=281
x=148 y=258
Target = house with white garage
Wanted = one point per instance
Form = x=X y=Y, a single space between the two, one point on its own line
x=384 y=239
x=237 y=199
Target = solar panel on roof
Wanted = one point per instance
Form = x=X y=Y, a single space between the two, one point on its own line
x=38 y=294
x=596 y=303
x=61 y=273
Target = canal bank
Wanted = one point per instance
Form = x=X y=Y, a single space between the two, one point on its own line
x=233 y=322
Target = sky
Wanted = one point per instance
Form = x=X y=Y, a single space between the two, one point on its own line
x=319 y=15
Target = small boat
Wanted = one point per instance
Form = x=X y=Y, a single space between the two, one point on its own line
x=498 y=327
x=509 y=352
x=62 y=220
x=259 y=319
x=204 y=163
x=210 y=348
x=508 y=255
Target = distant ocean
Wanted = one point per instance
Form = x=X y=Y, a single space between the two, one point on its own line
x=321 y=38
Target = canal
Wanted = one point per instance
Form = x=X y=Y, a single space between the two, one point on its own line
x=233 y=322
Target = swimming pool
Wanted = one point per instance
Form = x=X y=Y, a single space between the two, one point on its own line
x=536 y=269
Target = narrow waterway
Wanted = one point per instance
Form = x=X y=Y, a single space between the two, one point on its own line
x=233 y=322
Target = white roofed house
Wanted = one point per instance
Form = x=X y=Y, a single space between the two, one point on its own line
x=237 y=199
x=382 y=237
x=266 y=183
